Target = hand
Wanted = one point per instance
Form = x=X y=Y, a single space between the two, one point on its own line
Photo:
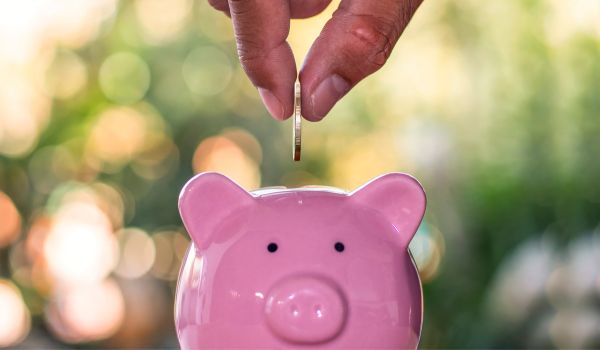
x=354 y=43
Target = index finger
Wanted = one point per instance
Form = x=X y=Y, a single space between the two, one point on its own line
x=261 y=29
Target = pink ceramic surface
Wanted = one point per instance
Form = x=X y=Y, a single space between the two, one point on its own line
x=294 y=268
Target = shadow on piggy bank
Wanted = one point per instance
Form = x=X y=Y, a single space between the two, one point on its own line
x=287 y=268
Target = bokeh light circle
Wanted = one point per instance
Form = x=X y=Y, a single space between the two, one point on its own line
x=427 y=248
x=221 y=154
x=66 y=75
x=207 y=71
x=137 y=253
x=170 y=250
x=117 y=135
x=86 y=312
x=14 y=317
x=10 y=221
x=162 y=21
x=24 y=111
x=80 y=246
x=124 y=77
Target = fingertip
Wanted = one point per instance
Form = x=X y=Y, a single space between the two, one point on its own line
x=308 y=81
x=309 y=114
x=272 y=103
x=220 y=5
x=325 y=94
x=278 y=101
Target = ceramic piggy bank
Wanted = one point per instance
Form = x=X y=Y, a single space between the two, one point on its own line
x=298 y=268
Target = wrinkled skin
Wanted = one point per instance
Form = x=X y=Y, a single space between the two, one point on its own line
x=355 y=43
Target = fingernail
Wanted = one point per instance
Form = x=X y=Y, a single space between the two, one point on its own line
x=272 y=103
x=327 y=94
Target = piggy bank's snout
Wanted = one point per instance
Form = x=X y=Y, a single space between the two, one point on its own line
x=306 y=310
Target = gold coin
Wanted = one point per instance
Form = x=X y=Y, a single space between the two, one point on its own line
x=297 y=127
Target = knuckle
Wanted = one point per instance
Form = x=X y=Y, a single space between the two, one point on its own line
x=253 y=48
x=240 y=7
x=251 y=45
x=252 y=54
x=377 y=36
x=249 y=51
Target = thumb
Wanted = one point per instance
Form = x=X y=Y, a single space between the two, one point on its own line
x=354 y=43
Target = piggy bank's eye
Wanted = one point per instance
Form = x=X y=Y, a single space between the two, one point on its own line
x=272 y=247
x=339 y=246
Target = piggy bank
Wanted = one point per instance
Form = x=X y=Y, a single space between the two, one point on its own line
x=298 y=268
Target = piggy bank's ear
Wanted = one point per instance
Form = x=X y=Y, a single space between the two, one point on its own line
x=399 y=198
x=206 y=200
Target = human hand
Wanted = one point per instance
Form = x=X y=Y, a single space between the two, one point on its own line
x=354 y=43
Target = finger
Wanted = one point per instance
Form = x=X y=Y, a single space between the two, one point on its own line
x=354 y=43
x=221 y=5
x=298 y=8
x=307 y=8
x=261 y=28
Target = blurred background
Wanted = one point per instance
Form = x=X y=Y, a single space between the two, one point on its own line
x=107 y=108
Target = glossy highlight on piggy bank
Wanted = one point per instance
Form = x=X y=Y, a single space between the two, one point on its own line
x=295 y=268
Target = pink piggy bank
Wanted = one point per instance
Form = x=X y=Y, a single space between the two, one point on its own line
x=295 y=268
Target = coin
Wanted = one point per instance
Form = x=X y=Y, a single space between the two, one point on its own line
x=297 y=123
